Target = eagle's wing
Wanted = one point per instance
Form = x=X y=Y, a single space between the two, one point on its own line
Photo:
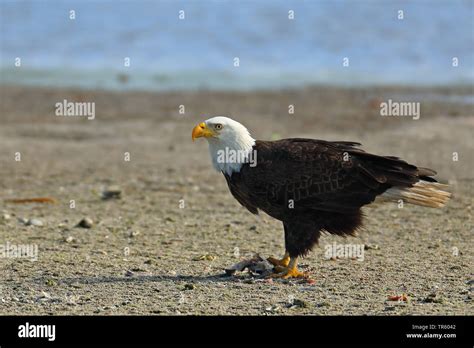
x=322 y=175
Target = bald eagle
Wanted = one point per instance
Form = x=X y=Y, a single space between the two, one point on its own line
x=310 y=185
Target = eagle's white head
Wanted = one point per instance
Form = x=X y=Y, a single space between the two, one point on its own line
x=230 y=143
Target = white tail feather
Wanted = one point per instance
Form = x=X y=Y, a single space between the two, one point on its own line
x=424 y=193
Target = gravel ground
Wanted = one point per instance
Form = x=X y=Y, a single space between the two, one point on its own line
x=147 y=254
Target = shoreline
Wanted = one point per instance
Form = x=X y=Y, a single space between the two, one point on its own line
x=464 y=88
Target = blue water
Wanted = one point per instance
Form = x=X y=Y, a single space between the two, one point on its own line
x=198 y=52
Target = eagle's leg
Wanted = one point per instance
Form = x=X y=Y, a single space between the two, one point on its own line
x=290 y=271
x=284 y=261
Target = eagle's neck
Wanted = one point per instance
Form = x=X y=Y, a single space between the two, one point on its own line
x=229 y=155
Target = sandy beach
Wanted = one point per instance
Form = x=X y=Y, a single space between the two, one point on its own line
x=162 y=247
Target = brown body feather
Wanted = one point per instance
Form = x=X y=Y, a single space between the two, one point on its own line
x=314 y=185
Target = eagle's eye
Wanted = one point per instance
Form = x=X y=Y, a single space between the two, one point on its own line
x=218 y=126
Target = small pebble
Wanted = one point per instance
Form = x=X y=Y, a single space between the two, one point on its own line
x=86 y=223
x=112 y=192
x=273 y=309
x=206 y=257
x=298 y=304
x=22 y=220
x=189 y=287
x=133 y=233
x=433 y=298
x=34 y=222
x=324 y=304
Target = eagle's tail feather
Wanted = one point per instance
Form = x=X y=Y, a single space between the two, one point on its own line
x=424 y=193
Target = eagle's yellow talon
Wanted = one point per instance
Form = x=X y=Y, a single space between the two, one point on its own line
x=285 y=261
x=290 y=271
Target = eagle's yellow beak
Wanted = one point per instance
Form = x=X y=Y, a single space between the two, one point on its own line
x=201 y=130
